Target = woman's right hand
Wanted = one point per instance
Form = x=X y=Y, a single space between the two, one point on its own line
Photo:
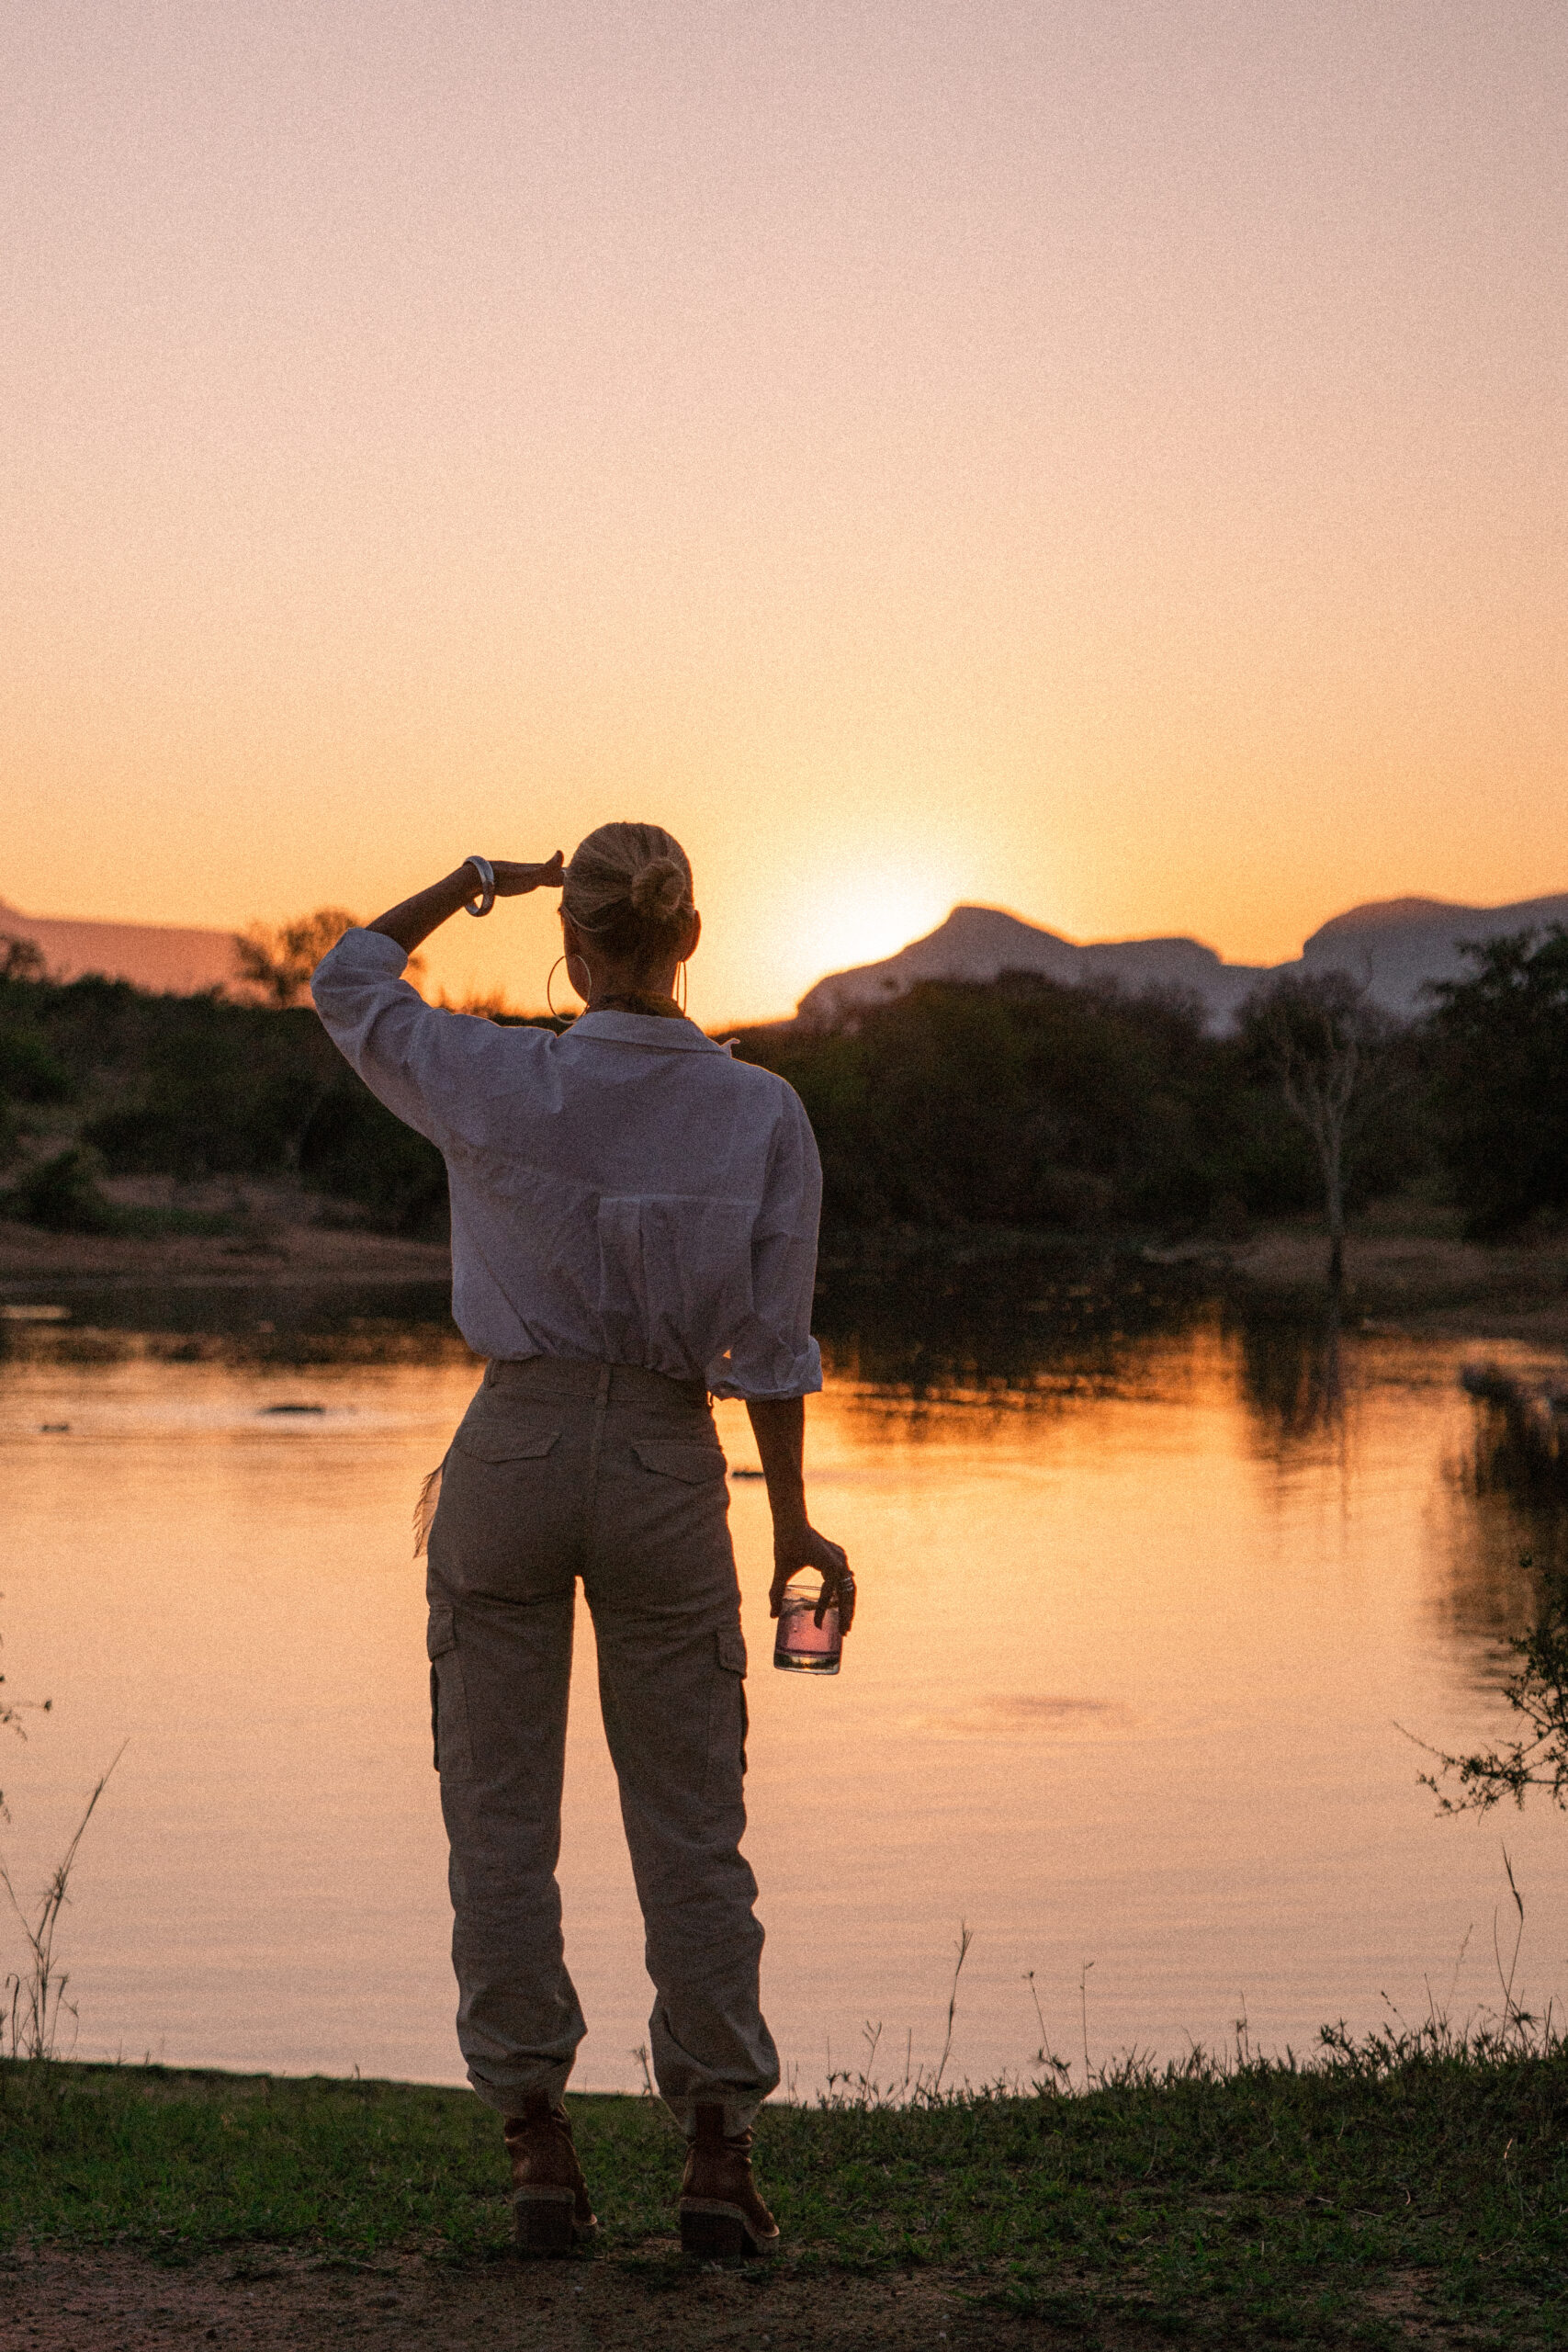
x=411 y=924
x=514 y=881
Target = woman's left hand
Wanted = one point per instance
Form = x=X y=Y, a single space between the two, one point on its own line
x=804 y=1548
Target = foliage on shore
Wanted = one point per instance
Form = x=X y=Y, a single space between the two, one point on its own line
x=1025 y=1103
x=1018 y=1103
x=193 y=1087
x=1229 y=2202
x=1499 y=1044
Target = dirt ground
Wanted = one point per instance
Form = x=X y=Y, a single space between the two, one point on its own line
x=262 y=2302
x=270 y=2300
x=1432 y=1283
x=280 y=1241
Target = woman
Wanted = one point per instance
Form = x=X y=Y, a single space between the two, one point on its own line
x=633 y=1229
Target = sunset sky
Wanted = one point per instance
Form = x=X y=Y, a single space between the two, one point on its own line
x=1106 y=460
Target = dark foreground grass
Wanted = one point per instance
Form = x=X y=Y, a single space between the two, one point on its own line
x=1407 y=2183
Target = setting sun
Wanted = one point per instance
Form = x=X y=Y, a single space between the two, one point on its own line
x=862 y=920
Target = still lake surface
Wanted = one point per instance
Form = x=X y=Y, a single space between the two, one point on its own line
x=1146 y=1594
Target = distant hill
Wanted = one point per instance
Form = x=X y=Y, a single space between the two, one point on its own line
x=1395 y=945
x=154 y=955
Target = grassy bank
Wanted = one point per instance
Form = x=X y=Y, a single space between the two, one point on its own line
x=1403 y=2183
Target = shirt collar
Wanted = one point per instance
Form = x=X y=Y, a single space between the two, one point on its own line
x=658 y=1032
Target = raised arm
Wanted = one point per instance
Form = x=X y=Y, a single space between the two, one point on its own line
x=416 y=1058
x=778 y=1424
x=410 y=923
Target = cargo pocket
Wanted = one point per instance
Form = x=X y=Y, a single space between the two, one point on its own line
x=727 y=1719
x=486 y=1443
x=686 y=1459
x=452 y=1751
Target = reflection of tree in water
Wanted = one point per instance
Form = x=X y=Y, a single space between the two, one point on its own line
x=1293 y=1373
x=1510 y=1495
x=1521 y=1442
x=928 y=1323
x=1506 y=1493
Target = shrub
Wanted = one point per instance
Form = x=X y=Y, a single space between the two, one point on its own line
x=357 y=1150
x=1027 y=1104
x=28 y=1071
x=1500 y=1081
x=63 y=1195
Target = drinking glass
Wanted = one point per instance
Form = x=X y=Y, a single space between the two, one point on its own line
x=801 y=1646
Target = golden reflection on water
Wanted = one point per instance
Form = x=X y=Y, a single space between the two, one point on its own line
x=1133 y=1647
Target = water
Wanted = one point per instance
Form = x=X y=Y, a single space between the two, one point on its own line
x=1145 y=1594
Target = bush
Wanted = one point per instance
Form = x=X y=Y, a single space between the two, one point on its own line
x=28 y=1071
x=195 y=1087
x=1015 y=1104
x=1021 y=1102
x=222 y=1090
x=1500 y=1081
x=63 y=1195
x=354 y=1149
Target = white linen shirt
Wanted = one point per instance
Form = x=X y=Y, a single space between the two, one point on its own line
x=623 y=1193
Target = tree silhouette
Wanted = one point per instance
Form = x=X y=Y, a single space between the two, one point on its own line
x=1320 y=1035
x=277 y=961
x=20 y=959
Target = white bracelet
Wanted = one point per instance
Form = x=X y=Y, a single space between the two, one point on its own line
x=486 y=872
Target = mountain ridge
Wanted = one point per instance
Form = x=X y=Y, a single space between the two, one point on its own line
x=178 y=959
x=1397 y=946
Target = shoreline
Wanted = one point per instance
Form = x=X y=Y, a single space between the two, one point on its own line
x=1430 y=1284
x=281 y=1252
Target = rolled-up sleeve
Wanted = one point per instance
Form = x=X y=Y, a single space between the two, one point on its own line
x=776 y=1355
x=382 y=1027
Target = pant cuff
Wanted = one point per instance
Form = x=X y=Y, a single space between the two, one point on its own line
x=522 y=2081
x=738 y=2113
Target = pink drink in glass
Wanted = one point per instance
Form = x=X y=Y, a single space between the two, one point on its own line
x=801 y=1646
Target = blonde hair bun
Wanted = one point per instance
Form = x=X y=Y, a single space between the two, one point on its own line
x=629 y=886
x=658 y=892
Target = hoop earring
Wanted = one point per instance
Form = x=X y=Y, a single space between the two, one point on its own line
x=549 y=1000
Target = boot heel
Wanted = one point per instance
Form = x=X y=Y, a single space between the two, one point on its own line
x=544 y=2225
x=718 y=2238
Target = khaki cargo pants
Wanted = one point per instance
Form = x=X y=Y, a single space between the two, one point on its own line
x=562 y=1470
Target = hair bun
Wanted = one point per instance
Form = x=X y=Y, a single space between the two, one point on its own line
x=629 y=886
x=659 y=890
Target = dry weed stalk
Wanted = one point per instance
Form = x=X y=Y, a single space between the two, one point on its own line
x=37 y=1996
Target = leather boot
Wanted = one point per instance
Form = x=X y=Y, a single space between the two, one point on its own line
x=549 y=2196
x=721 y=2214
